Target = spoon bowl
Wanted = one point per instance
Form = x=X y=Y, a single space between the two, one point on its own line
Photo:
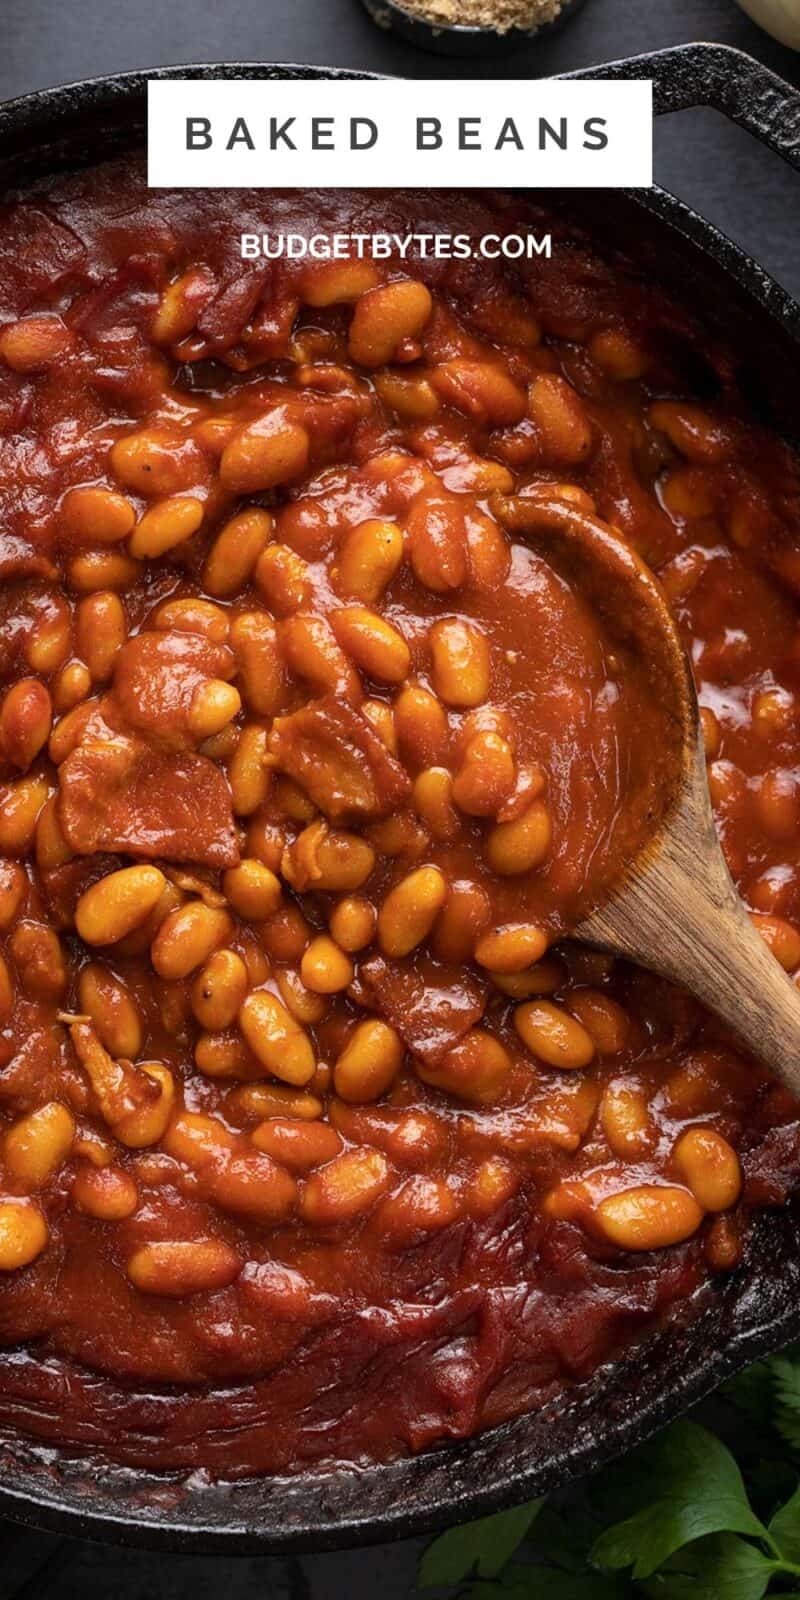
x=675 y=909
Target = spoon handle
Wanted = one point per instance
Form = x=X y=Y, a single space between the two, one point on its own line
x=678 y=913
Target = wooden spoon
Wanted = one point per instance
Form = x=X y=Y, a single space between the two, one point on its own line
x=676 y=909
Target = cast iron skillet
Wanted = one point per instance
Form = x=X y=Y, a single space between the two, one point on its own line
x=758 y=1308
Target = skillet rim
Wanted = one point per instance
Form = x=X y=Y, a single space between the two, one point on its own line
x=59 y=1507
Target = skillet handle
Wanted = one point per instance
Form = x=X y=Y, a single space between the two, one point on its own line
x=727 y=79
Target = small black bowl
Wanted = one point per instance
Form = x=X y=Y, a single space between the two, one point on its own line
x=454 y=39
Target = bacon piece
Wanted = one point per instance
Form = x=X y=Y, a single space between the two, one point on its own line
x=20 y=559
x=770 y=1170
x=63 y=886
x=121 y=795
x=224 y=318
x=333 y=752
x=156 y=676
x=120 y=1088
x=430 y=1005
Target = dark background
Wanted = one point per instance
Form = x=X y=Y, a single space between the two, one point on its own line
x=749 y=193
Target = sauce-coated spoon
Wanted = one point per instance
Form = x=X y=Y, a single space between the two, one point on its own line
x=675 y=909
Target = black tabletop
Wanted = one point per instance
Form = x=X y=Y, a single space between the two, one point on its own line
x=747 y=191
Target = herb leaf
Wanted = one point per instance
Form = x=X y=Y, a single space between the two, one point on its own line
x=723 y=1567
x=784 y=1529
x=786 y=1386
x=481 y=1547
x=697 y=1489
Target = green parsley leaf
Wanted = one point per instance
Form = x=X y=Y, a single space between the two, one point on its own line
x=723 y=1567
x=696 y=1489
x=786 y=1388
x=784 y=1529
x=481 y=1547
